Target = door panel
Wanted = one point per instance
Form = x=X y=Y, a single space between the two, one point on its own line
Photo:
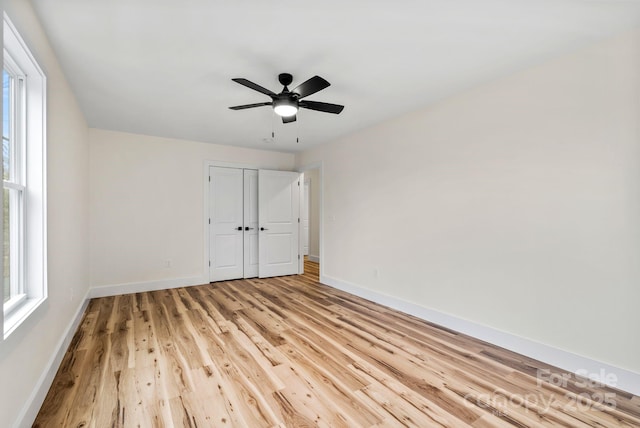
x=250 y=223
x=225 y=251
x=279 y=248
x=280 y=195
x=226 y=210
x=279 y=212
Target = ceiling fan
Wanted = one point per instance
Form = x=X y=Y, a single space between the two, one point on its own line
x=287 y=103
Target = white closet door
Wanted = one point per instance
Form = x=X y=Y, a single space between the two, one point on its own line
x=226 y=231
x=279 y=215
x=250 y=223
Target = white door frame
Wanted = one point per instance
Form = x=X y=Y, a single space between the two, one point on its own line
x=320 y=189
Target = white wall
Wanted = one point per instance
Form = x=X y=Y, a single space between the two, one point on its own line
x=147 y=205
x=314 y=212
x=514 y=205
x=26 y=355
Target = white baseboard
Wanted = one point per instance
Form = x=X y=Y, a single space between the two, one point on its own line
x=314 y=258
x=139 y=287
x=623 y=379
x=39 y=393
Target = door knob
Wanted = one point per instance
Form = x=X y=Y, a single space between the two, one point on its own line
x=239 y=228
x=248 y=228
x=263 y=228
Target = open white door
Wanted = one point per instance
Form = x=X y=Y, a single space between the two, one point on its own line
x=250 y=223
x=279 y=215
x=225 y=233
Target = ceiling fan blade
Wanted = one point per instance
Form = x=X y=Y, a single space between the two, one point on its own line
x=249 y=106
x=325 y=107
x=288 y=119
x=311 y=86
x=254 y=86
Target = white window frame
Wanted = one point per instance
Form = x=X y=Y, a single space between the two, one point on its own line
x=27 y=183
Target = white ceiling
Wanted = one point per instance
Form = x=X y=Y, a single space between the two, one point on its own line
x=164 y=67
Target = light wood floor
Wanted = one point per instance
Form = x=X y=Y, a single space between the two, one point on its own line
x=292 y=352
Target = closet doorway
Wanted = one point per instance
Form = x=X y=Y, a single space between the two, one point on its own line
x=254 y=223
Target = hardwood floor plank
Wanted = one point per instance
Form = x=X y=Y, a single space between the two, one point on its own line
x=306 y=401
x=291 y=352
x=336 y=392
x=432 y=413
x=325 y=354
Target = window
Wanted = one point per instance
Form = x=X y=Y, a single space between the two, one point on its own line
x=13 y=183
x=23 y=174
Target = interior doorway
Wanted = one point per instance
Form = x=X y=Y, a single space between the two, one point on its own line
x=304 y=215
x=313 y=202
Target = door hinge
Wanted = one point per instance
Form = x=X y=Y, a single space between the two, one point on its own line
x=298 y=256
x=209 y=221
x=209 y=263
x=298 y=219
x=298 y=183
x=209 y=179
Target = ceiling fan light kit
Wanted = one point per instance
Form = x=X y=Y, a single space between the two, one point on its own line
x=285 y=107
x=286 y=103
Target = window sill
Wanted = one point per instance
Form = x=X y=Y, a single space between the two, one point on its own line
x=14 y=318
x=14 y=303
